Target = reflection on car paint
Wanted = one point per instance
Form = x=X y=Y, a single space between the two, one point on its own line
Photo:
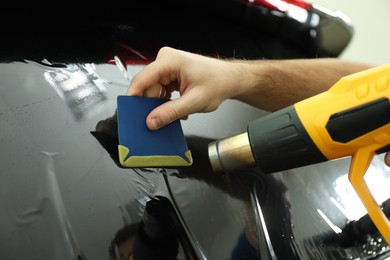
x=298 y=226
x=278 y=196
x=121 y=67
x=48 y=213
x=79 y=86
x=265 y=245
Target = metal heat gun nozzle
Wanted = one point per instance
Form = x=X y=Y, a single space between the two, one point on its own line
x=233 y=153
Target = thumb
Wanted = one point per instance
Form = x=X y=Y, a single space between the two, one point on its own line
x=167 y=113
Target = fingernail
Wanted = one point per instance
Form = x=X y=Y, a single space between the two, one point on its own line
x=156 y=123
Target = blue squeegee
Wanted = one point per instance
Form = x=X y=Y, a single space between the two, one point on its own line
x=141 y=147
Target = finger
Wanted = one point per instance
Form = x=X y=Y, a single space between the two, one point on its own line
x=142 y=80
x=169 y=112
x=153 y=91
x=154 y=74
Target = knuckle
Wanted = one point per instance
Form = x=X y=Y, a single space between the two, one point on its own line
x=163 y=51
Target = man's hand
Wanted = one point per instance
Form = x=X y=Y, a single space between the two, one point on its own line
x=203 y=83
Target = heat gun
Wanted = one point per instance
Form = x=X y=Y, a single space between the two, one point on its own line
x=352 y=119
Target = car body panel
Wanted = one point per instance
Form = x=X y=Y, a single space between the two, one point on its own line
x=63 y=193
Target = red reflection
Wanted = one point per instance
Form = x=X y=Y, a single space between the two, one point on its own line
x=280 y=5
x=129 y=55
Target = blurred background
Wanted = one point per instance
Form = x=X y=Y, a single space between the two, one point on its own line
x=370 y=19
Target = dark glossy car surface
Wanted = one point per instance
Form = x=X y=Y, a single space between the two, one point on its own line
x=63 y=194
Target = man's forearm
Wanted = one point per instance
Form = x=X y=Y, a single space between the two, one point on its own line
x=275 y=84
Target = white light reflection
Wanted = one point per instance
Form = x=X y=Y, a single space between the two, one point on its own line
x=121 y=67
x=335 y=14
x=348 y=199
x=378 y=181
x=315 y=20
x=79 y=86
x=77 y=78
x=83 y=94
x=354 y=208
x=335 y=228
x=297 y=13
x=340 y=207
x=280 y=5
x=313 y=33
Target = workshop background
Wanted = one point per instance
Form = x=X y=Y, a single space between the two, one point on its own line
x=370 y=19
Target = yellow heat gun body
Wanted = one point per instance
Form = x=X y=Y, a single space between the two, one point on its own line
x=352 y=118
